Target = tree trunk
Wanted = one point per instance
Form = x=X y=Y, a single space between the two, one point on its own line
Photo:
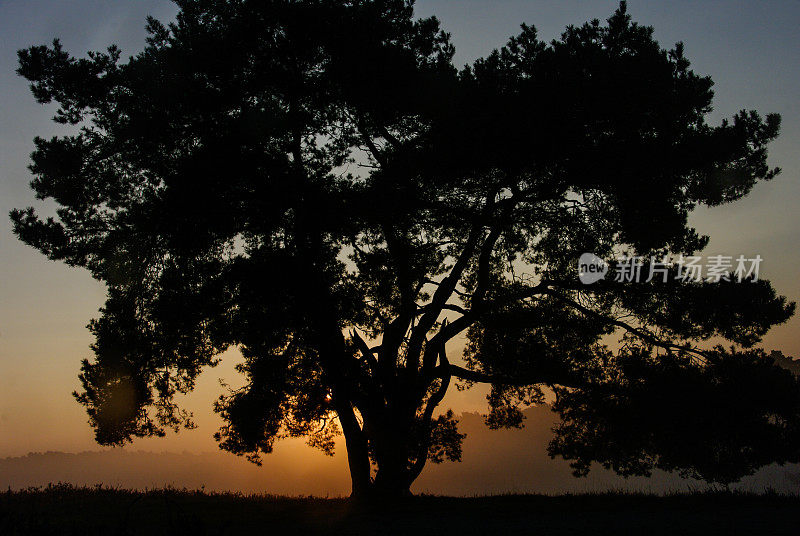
x=357 y=452
x=389 y=441
x=392 y=482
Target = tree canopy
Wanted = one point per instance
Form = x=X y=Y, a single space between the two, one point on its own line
x=316 y=184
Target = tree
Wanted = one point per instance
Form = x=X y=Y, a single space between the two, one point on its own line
x=316 y=184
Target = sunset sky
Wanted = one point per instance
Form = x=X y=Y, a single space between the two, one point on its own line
x=750 y=49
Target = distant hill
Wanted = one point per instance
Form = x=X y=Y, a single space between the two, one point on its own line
x=493 y=462
x=789 y=363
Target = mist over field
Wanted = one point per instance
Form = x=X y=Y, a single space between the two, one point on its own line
x=494 y=462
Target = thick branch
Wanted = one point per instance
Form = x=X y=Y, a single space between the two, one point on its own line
x=484 y=262
x=498 y=379
x=460 y=324
x=366 y=352
x=393 y=335
x=433 y=401
x=482 y=283
x=373 y=149
x=482 y=377
x=391 y=138
x=441 y=296
x=356 y=443
x=639 y=332
x=396 y=329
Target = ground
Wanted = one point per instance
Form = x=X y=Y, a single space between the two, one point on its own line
x=63 y=509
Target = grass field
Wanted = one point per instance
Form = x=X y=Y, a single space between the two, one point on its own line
x=64 y=509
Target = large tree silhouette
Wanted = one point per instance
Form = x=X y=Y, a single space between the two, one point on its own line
x=316 y=184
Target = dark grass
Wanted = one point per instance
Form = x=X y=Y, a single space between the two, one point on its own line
x=64 y=509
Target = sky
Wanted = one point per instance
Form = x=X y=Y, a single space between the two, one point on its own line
x=750 y=49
